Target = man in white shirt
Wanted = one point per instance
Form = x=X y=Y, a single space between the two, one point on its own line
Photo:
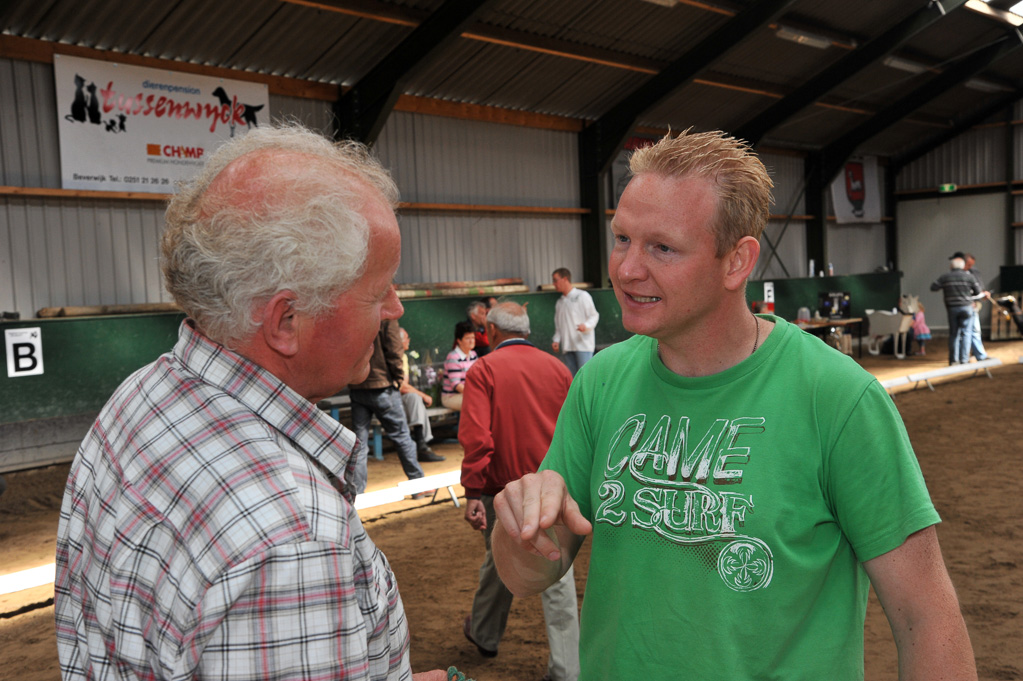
x=575 y=318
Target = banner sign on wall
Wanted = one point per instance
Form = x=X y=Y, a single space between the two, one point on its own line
x=856 y=193
x=131 y=128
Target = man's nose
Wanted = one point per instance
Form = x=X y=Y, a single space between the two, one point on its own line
x=393 y=309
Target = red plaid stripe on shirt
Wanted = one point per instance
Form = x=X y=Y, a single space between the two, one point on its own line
x=206 y=533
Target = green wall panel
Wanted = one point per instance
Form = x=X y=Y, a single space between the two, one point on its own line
x=430 y=322
x=878 y=291
x=86 y=358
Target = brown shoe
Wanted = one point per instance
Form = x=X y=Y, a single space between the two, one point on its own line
x=467 y=630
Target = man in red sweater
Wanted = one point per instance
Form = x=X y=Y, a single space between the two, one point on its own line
x=509 y=410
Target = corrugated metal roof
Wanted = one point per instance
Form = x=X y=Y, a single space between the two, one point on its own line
x=540 y=73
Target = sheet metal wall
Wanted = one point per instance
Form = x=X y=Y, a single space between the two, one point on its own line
x=56 y=251
x=444 y=160
x=789 y=240
x=977 y=156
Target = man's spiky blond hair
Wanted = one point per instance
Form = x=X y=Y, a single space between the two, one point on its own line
x=742 y=183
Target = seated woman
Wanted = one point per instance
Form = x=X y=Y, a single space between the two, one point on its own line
x=456 y=364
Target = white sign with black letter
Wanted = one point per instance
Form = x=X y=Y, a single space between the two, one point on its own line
x=24 y=352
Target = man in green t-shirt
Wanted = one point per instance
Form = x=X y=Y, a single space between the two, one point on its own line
x=743 y=483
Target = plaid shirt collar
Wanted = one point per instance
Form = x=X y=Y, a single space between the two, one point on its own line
x=311 y=430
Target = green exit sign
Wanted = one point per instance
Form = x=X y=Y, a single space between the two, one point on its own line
x=946 y=188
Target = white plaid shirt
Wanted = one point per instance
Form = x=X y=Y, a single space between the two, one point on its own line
x=204 y=534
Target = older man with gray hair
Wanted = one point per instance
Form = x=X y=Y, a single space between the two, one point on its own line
x=960 y=289
x=208 y=529
x=512 y=400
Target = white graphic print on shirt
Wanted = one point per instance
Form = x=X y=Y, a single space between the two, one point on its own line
x=675 y=499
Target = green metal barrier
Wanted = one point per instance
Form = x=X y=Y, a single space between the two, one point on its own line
x=86 y=358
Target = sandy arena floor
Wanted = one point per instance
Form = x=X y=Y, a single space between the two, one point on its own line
x=964 y=433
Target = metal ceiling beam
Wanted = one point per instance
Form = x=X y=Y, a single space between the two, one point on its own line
x=964 y=123
x=362 y=111
x=836 y=154
x=607 y=135
x=601 y=141
x=843 y=69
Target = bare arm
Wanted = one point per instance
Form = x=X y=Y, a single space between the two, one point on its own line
x=921 y=606
x=538 y=532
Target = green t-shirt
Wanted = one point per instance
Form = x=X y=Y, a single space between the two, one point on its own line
x=731 y=512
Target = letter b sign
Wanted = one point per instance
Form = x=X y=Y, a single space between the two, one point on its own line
x=24 y=352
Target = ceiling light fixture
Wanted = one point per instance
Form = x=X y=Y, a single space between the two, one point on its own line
x=904 y=65
x=985 y=86
x=803 y=38
x=1011 y=18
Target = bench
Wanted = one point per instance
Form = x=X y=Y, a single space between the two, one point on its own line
x=894 y=383
x=975 y=368
x=340 y=407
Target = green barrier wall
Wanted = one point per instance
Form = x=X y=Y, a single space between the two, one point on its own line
x=878 y=291
x=430 y=322
x=86 y=358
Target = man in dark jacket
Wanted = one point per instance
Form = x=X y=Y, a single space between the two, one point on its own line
x=378 y=396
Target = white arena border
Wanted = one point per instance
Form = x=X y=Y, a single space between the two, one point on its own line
x=431 y=483
x=44 y=574
x=925 y=377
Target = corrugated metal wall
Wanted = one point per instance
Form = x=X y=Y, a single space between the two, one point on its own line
x=445 y=160
x=77 y=251
x=56 y=251
x=788 y=238
x=975 y=157
x=29 y=156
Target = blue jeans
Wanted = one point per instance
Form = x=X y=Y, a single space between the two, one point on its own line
x=385 y=403
x=960 y=325
x=574 y=359
x=976 y=344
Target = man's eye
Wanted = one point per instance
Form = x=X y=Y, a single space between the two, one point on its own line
x=621 y=238
x=663 y=248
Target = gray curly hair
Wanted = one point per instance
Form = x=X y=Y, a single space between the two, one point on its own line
x=289 y=220
x=510 y=318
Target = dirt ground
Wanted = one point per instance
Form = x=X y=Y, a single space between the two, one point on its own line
x=964 y=434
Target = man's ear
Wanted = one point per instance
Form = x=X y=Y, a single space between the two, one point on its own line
x=740 y=262
x=282 y=325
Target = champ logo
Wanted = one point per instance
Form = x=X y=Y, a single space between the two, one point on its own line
x=174 y=151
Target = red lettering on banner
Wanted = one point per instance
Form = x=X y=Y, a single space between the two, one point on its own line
x=182 y=152
x=150 y=105
x=108 y=94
